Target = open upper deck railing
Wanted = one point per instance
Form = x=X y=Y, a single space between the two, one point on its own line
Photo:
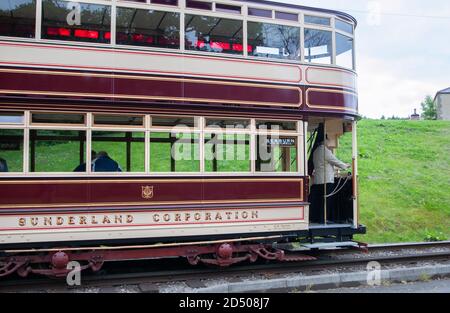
x=244 y=29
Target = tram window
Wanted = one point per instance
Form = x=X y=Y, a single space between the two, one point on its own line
x=344 y=51
x=174 y=152
x=56 y=150
x=58 y=118
x=124 y=151
x=344 y=26
x=162 y=121
x=201 y=5
x=118 y=120
x=75 y=21
x=213 y=34
x=276 y=125
x=234 y=124
x=286 y=16
x=166 y=2
x=18 y=18
x=274 y=41
x=318 y=46
x=260 y=12
x=276 y=154
x=318 y=20
x=228 y=8
x=11 y=118
x=227 y=153
x=148 y=28
x=11 y=150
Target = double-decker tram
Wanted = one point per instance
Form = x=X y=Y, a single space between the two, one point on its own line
x=144 y=129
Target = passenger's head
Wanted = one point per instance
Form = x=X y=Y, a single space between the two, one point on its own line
x=3 y=165
x=102 y=154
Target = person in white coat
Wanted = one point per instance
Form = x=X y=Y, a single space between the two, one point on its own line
x=323 y=181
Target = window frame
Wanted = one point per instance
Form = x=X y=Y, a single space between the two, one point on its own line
x=200 y=129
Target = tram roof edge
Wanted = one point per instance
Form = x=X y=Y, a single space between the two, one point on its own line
x=296 y=6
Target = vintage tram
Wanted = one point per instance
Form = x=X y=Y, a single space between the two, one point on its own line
x=156 y=128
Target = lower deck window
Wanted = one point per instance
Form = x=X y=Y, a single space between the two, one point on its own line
x=57 y=151
x=174 y=152
x=276 y=154
x=118 y=151
x=11 y=150
x=227 y=153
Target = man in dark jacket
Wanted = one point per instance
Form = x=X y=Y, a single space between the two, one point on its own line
x=103 y=163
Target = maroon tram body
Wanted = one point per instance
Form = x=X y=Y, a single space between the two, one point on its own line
x=217 y=217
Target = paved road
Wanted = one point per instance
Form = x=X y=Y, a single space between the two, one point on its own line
x=436 y=286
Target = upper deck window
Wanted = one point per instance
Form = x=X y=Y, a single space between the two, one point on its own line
x=194 y=4
x=286 y=16
x=344 y=26
x=228 y=8
x=213 y=34
x=344 y=51
x=148 y=28
x=318 y=46
x=76 y=21
x=260 y=12
x=17 y=18
x=274 y=41
x=165 y=2
x=318 y=20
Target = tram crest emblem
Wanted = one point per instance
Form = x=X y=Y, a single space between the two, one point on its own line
x=147 y=192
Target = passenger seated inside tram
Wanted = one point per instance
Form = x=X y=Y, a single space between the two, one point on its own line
x=323 y=182
x=82 y=167
x=3 y=166
x=103 y=163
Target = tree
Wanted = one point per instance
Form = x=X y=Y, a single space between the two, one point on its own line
x=429 y=109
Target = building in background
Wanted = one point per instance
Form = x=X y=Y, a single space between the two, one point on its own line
x=442 y=101
x=415 y=116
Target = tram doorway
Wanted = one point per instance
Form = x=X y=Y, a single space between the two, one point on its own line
x=332 y=172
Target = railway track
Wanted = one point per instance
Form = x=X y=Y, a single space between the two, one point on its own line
x=177 y=270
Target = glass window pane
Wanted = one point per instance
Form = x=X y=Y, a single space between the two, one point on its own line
x=344 y=51
x=198 y=5
x=213 y=34
x=58 y=118
x=166 y=2
x=228 y=8
x=276 y=154
x=17 y=18
x=11 y=150
x=227 y=153
x=174 y=152
x=286 y=16
x=344 y=26
x=57 y=151
x=260 y=12
x=228 y=123
x=11 y=118
x=274 y=41
x=277 y=125
x=119 y=120
x=148 y=28
x=318 y=46
x=118 y=151
x=317 y=20
x=176 y=121
x=76 y=21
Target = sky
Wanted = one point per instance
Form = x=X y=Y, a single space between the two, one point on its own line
x=402 y=51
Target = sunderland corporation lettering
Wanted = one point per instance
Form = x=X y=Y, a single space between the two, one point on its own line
x=139 y=218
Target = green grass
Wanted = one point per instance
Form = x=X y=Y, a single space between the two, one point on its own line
x=404 y=176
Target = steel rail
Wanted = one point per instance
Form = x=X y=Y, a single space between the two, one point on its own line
x=164 y=276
